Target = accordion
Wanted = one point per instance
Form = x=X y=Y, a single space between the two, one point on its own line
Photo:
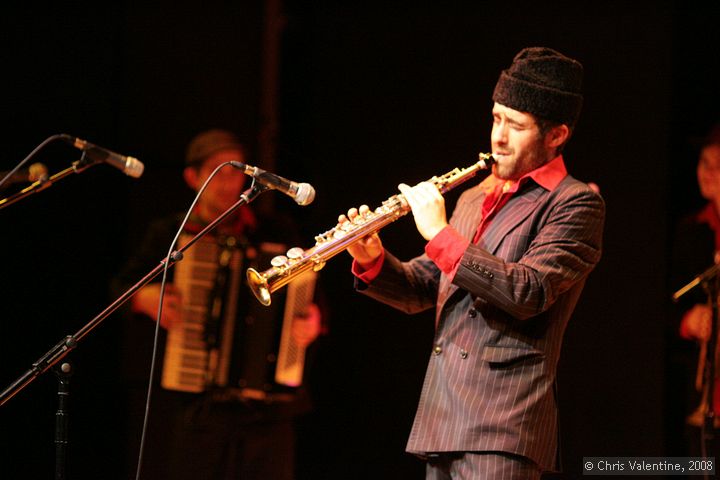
x=226 y=339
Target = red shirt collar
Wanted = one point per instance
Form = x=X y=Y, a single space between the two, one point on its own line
x=710 y=216
x=547 y=176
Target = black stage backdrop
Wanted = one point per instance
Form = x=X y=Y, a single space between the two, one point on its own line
x=369 y=96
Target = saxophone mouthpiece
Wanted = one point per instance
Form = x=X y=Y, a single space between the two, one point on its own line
x=486 y=160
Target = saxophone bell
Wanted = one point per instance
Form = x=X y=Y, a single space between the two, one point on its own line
x=259 y=286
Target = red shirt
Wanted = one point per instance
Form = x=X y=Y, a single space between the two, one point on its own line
x=710 y=216
x=448 y=246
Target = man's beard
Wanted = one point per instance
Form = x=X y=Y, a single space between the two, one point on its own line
x=533 y=158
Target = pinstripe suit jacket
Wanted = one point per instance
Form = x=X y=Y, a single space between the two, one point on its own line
x=500 y=320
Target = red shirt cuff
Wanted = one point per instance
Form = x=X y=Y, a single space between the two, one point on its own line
x=367 y=275
x=447 y=249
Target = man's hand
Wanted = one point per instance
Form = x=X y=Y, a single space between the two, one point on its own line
x=696 y=323
x=306 y=328
x=368 y=249
x=428 y=208
x=146 y=301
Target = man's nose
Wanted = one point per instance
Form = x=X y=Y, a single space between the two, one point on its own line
x=499 y=134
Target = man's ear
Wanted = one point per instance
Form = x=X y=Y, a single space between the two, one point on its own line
x=557 y=136
x=190 y=175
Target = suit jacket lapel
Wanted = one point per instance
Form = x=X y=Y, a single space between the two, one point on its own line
x=466 y=226
x=510 y=216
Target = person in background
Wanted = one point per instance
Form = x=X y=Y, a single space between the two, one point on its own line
x=696 y=247
x=704 y=225
x=218 y=434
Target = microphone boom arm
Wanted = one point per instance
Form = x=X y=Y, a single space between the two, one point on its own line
x=41 y=184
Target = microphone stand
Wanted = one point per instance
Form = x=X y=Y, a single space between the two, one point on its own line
x=63 y=374
x=40 y=185
x=710 y=281
x=70 y=342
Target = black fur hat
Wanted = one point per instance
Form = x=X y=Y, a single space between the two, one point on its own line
x=543 y=82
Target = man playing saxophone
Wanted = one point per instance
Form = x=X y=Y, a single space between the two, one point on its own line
x=504 y=275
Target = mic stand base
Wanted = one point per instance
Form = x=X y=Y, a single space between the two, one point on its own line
x=63 y=374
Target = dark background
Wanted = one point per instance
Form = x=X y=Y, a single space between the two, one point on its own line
x=369 y=96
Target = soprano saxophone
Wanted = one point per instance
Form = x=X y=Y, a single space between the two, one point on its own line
x=297 y=261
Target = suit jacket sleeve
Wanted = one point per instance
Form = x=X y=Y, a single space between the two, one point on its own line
x=408 y=286
x=562 y=252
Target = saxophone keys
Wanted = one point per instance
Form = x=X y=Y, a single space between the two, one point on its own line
x=318 y=263
x=295 y=253
x=279 y=261
x=324 y=237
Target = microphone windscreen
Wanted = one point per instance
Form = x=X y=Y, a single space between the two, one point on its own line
x=305 y=194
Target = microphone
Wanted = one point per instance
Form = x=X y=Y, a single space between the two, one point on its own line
x=130 y=166
x=36 y=171
x=302 y=193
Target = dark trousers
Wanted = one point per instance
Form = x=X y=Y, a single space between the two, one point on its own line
x=480 y=465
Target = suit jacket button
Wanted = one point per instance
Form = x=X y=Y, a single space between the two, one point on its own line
x=437 y=350
x=463 y=354
x=472 y=313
